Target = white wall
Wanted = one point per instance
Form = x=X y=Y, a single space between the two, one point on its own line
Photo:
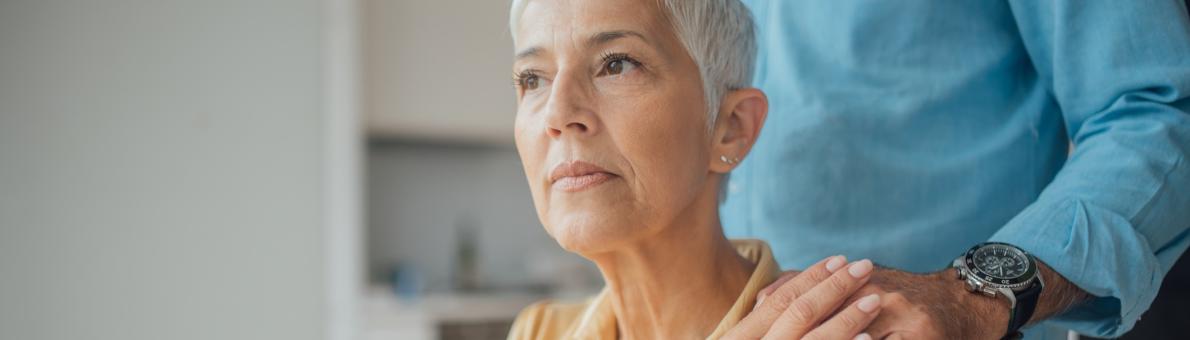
x=162 y=168
x=439 y=70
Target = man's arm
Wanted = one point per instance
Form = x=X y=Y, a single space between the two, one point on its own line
x=1114 y=219
x=938 y=305
x=1057 y=298
x=992 y=314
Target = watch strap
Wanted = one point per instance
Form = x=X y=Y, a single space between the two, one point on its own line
x=1026 y=303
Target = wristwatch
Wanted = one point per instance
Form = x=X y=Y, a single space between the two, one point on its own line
x=1001 y=269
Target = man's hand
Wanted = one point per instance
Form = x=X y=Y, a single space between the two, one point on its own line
x=934 y=306
x=938 y=305
x=915 y=306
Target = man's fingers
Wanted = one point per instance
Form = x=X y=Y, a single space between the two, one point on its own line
x=771 y=305
x=804 y=313
x=850 y=322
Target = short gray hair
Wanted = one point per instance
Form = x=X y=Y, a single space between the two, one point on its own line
x=718 y=34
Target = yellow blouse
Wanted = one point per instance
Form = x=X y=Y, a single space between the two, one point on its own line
x=594 y=319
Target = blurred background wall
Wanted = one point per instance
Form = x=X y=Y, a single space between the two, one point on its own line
x=189 y=169
x=454 y=248
x=164 y=168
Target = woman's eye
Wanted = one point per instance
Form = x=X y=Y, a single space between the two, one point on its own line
x=527 y=81
x=616 y=65
x=530 y=82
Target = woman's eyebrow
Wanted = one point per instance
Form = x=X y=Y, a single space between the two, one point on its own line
x=605 y=37
x=595 y=40
x=528 y=52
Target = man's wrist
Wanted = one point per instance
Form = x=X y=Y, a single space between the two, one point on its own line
x=1059 y=295
x=983 y=316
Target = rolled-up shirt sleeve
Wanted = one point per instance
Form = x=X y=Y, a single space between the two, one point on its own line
x=1117 y=216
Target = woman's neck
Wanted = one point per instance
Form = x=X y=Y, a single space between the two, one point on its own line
x=677 y=284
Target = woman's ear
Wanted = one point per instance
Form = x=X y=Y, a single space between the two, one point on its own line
x=741 y=115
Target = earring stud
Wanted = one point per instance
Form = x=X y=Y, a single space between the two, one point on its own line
x=730 y=161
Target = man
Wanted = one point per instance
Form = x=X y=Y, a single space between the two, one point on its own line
x=910 y=132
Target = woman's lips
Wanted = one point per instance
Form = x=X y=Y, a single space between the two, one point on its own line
x=578 y=176
x=582 y=182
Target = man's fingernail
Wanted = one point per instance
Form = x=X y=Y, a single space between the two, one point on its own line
x=863 y=336
x=835 y=263
x=868 y=303
x=759 y=300
x=859 y=269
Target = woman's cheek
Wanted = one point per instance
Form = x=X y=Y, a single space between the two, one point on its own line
x=635 y=84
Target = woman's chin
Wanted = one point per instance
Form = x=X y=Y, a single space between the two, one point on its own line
x=586 y=235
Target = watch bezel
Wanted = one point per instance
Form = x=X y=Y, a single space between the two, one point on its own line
x=1014 y=283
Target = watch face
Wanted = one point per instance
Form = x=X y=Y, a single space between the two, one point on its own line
x=1000 y=264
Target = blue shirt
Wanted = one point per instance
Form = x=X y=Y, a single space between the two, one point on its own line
x=909 y=131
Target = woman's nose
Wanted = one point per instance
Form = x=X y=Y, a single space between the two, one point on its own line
x=570 y=110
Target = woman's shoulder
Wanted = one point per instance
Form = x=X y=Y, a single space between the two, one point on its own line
x=547 y=319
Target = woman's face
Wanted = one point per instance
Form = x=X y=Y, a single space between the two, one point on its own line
x=611 y=124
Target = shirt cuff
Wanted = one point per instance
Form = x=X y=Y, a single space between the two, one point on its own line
x=1096 y=250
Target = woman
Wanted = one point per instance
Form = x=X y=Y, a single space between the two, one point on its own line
x=630 y=116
